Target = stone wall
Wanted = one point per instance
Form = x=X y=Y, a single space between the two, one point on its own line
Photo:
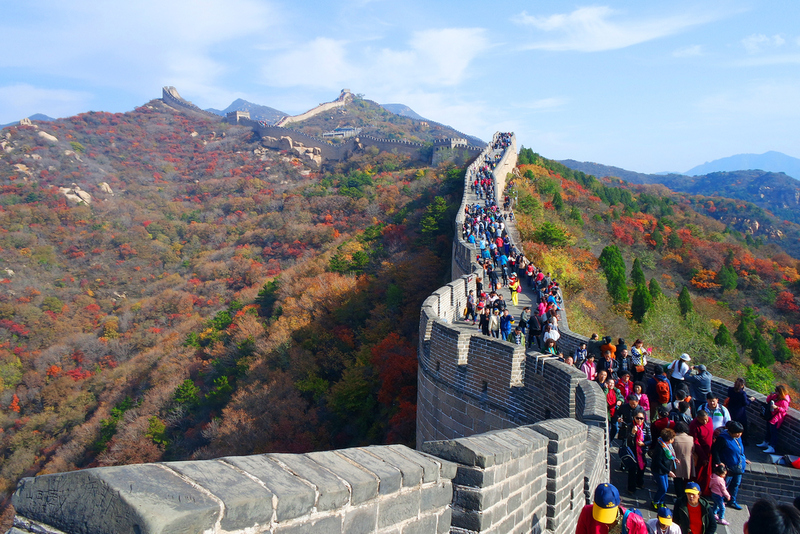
x=372 y=489
x=481 y=469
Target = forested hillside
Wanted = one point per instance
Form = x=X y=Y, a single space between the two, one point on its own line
x=643 y=261
x=213 y=297
x=770 y=197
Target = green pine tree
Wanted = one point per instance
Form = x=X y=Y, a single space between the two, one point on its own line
x=614 y=268
x=727 y=277
x=655 y=289
x=685 y=301
x=759 y=350
x=744 y=332
x=637 y=274
x=674 y=241
x=641 y=303
x=782 y=352
x=723 y=337
x=558 y=202
x=658 y=237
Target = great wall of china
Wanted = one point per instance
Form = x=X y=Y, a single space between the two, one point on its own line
x=326 y=150
x=507 y=441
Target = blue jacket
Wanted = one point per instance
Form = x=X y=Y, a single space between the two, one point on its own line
x=730 y=452
x=505 y=323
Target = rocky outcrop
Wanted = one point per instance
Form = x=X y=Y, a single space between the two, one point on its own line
x=49 y=138
x=311 y=155
x=76 y=195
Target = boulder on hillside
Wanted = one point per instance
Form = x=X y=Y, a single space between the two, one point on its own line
x=47 y=137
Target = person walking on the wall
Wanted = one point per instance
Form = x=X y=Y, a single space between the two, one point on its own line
x=678 y=371
x=515 y=288
x=606 y=515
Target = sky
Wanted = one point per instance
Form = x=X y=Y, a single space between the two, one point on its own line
x=646 y=86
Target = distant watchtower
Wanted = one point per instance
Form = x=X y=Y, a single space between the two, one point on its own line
x=234 y=116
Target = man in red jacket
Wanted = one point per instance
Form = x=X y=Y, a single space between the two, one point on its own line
x=606 y=513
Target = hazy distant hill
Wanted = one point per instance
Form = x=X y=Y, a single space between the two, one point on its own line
x=34 y=117
x=773 y=191
x=257 y=112
x=404 y=111
x=768 y=161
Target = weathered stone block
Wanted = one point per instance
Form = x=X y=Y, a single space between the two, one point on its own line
x=398 y=508
x=363 y=484
x=389 y=478
x=295 y=498
x=134 y=499
x=333 y=493
x=246 y=502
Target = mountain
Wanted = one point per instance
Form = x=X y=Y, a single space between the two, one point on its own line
x=768 y=161
x=257 y=112
x=773 y=191
x=35 y=117
x=403 y=111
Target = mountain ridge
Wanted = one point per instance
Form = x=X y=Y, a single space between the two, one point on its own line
x=771 y=161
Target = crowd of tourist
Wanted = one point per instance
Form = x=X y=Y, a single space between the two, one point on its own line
x=672 y=421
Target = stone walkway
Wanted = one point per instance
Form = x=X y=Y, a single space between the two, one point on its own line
x=644 y=496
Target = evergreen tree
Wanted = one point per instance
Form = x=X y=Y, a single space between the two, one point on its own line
x=674 y=241
x=759 y=351
x=655 y=289
x=744 y=332
x=642 y=302
x=723 y=337
x=782 y=352
x=637 y=274
x=575 y=215
x=685 y=301
x=727 y=277
x=558 y=202
x=614 y=268
x=658 y=237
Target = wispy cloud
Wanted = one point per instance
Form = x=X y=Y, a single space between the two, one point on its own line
x=689 y=51
x=440 y=57
x=137 y=45
x=599 y=28
x=759 y=42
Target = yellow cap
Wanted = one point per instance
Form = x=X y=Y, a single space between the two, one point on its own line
x=604 y=515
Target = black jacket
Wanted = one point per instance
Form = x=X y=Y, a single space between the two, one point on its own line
x=661 y=464
x=680 y=515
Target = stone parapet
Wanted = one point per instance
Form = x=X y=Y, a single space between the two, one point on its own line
x=372 y=489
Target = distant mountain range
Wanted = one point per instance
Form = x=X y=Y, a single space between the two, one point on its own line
x=34 y=117
x=768 y=161
x=257 y=112
x=773 y=191
x=403 y=111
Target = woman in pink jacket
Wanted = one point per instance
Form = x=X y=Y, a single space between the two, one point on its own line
x=778 y=403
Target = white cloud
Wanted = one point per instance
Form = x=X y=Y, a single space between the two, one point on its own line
x=432 y=58
x=689 y=51
x=759 y=42
x=135 y=45
x=23 y=100
x=318 y=63
x=591 y=29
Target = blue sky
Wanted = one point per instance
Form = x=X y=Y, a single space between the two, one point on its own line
x=642 y=86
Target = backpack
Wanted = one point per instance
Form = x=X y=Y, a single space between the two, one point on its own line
x=627 y=513
x=662 y=391
x=627 y=458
